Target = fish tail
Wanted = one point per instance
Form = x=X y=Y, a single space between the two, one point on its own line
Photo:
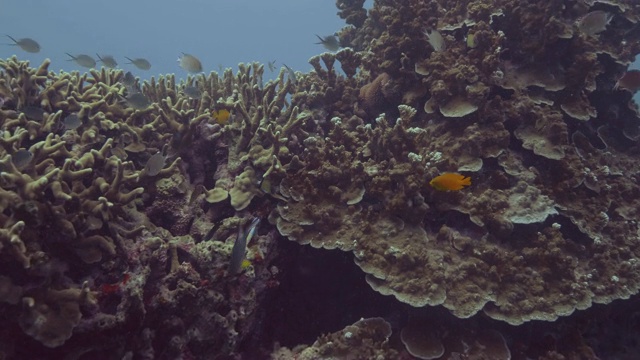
x=466 y=181
x=130 y=61
x=12 y=39
x=99 y=58
x=71 y=56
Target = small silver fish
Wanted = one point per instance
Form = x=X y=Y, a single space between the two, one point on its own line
x=140 y=63
x=138 y=101
x=329 y=42
x=192 y=92
x=21 y=158
x=271 y=65
x=594 y=22
x=83 y=60
x=155 y=163
x=107 y=61
x=292 y=75
x=71 y=122
x=190 y=63
x=26 y=44
x=240 y=246
x=435 y=40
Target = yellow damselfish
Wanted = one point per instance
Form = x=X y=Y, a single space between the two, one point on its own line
x=221 y=116
x=450 y=181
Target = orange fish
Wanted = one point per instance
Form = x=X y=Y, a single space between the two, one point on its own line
x=221 y=116
x=450 y=181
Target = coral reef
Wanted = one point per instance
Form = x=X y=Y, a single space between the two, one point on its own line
x=100 y=235
x=123 y=224
x=528 y=240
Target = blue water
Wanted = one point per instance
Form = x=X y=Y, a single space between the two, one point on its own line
x=222 y=33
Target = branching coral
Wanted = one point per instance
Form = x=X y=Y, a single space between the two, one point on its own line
x=80 y=206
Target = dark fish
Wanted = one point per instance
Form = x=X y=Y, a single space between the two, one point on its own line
x=107 y=61
x=240 y=246
x=140 y=63
x=629 y=81
x=128 y=80
x=83 y=60
x=33 y=112
x=192 y=92
x=26 y=44
x=329 y=42
x=197 y=191
x=138 y=101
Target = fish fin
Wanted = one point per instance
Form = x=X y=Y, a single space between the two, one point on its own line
x=71 y=56
x=322 y=41
x=12 y=39
x=99 y=58
x=130 y=60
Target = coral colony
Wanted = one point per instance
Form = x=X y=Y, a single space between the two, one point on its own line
x=121 y=201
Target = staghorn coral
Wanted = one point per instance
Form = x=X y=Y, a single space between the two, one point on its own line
x=85 y=205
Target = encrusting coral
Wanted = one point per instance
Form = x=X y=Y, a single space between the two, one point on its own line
x=128 y=220
x=365 y=339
